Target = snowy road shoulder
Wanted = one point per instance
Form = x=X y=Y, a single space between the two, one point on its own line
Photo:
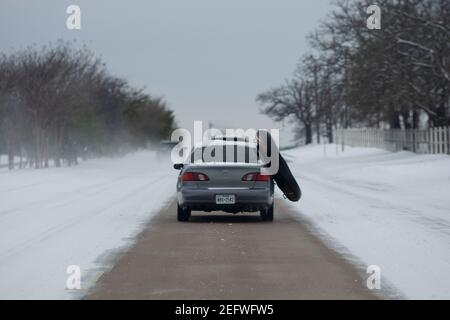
x=386 y=209
x=84 y=215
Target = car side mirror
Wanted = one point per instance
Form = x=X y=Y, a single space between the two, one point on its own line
x=178 y=166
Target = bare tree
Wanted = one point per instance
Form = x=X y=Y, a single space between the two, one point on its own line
x=293 y=100
x=59 y=102
x=384 y=78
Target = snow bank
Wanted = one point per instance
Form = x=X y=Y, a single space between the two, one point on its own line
x=387 y=209
x=53 y=218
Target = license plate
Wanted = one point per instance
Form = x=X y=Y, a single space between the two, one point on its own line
x=225 y=199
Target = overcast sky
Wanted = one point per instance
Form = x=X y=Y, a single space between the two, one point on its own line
x=208 y=58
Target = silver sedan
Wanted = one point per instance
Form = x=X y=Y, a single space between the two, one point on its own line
x=233 y=184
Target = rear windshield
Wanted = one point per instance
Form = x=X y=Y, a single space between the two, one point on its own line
x=229 y=153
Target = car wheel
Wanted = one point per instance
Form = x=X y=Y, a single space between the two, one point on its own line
x=183 y=214
x=267 y=214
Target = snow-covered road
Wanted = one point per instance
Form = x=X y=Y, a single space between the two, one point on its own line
x=376 y=207
x=386 y=209
x=50 y=219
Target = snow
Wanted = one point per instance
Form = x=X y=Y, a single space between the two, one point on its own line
x=376 y=207
x=83 y=215
x=381 y=208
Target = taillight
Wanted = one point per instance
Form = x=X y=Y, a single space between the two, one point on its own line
x=194 y=176
x=255 y=176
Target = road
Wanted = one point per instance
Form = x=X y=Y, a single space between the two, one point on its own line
x=218 y=256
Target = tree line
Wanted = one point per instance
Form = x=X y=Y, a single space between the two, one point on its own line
x=59 y=103
x=395 y=77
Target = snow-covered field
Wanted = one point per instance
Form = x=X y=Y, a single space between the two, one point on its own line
x=53 y=218
x=386 y=209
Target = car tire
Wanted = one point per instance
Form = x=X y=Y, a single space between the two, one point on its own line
x=183 y=214
x=267 y=214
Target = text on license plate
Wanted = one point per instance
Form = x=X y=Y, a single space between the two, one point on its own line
x=225 y=199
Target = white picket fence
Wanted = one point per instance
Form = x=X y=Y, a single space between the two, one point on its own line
x=434 y=140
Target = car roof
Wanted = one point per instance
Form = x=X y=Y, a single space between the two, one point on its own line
x=229 y=138
x=229 y=143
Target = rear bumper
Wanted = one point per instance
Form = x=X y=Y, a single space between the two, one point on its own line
x=252 y=199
